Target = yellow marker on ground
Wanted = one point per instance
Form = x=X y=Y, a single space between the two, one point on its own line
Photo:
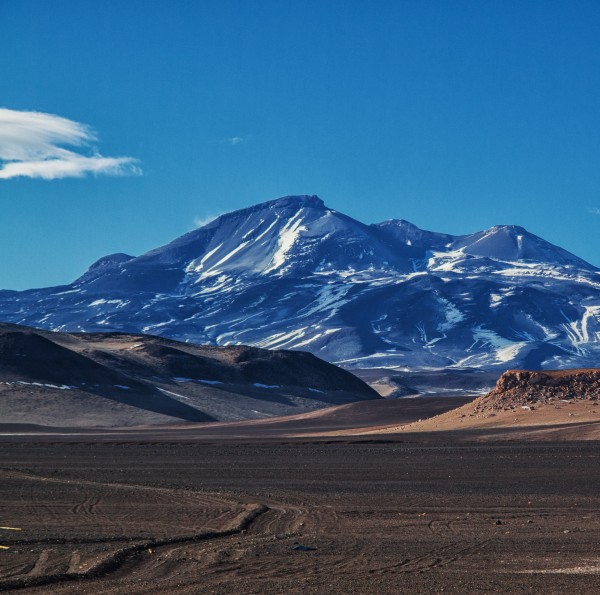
x=4 y=547
x=10 y=528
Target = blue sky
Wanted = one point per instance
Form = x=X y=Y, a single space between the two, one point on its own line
x=454 y=115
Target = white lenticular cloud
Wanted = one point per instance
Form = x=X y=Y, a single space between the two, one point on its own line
x=32 y=146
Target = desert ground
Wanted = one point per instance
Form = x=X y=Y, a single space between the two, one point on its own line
x=275 y=507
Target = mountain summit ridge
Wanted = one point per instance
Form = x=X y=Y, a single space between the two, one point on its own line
x=292 y=273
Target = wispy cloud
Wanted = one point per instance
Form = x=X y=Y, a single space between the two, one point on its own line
x=594 y=210
x=202 y=221
x=234 y=140
x=32 y=145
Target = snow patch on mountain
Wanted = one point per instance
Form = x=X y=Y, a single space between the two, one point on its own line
x=287 y=237
x=503 y=349
x=452 y=313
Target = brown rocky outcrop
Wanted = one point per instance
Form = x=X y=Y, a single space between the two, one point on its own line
x=523 y=388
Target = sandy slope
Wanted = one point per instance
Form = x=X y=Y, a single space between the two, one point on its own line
x=552 y=405
x=575 y=420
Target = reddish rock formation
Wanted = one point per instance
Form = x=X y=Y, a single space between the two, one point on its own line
x=523 y=388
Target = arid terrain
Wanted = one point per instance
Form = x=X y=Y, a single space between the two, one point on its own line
x=491 y=494
x=526 y=405
x=299 y=517
x=116 y=379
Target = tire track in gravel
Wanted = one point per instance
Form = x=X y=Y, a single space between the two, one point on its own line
x=200 y=501
x=184 y=495
x=88 y=506
x=232 y=517
x=116 y=559
x=280 y=520
x=442 y=528
x=436 y=558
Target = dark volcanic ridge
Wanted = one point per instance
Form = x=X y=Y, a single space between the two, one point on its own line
x=115 y=379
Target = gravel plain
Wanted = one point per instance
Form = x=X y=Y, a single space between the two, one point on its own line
x=352 y=515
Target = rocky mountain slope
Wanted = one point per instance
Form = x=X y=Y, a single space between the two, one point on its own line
x=294 y=274
x=112 y=379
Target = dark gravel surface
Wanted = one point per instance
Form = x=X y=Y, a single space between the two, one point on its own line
x=300 y=517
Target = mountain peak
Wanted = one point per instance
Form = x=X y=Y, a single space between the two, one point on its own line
x=508 y=228
x=291 y=202
x=299 y=200
x=104 y=265
x=408 y=233
x=515 y=243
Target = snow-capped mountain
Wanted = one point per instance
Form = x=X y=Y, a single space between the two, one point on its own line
x=294 y=274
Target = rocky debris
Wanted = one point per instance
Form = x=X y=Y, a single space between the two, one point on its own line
x=523 y=389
